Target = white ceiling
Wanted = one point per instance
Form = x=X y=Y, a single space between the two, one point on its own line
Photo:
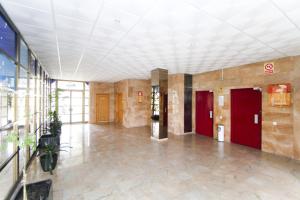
x=110 y=40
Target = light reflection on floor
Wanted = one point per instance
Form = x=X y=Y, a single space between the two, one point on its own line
x=111 y=162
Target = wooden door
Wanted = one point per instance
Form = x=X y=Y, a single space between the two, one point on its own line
x=119 y=108
x=102 y=108
x=204 y=113
x=246 y=117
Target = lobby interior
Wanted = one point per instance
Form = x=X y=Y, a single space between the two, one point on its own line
x=155 y=99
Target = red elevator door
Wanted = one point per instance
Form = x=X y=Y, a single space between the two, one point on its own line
x=204 y=113
x=246 y=117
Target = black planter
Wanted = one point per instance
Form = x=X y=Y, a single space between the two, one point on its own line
x=48 y=164
x=49 y=139
x=41 y=190
x=155 y=117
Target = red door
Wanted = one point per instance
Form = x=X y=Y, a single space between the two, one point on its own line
x=246 y=117
x=204 y=113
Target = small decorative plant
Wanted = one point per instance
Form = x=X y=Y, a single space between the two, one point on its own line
x=55 y=123
x=25 y=144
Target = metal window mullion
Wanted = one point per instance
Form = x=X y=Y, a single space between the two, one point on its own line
x=16 y=161
x=27 y=116
x=56 y=101
x=34 y=108
x=70 y=106
x=83 y=103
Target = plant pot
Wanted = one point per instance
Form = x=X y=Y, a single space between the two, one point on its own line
x=41 y=190
x=49 y=139
x=155 y=117
x=46 y=163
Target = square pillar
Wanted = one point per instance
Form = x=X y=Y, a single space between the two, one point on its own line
x=159 y=104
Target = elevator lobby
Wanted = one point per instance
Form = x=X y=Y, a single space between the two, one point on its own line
x=150 y=99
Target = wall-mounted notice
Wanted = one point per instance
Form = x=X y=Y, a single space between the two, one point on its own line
x=140 y=96
x=280 y=94
x=269 y=68
x=221 y=101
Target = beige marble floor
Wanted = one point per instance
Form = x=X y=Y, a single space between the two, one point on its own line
x=110 y=162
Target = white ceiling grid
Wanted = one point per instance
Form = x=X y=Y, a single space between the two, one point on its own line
x=111 y=40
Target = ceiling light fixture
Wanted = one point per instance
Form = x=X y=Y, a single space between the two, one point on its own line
x=56 y=38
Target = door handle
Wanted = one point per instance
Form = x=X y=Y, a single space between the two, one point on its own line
x=255 y=118
x=211 y=114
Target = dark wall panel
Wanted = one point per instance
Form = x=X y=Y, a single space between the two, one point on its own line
x=188 y=92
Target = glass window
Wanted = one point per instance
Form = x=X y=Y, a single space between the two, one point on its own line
x=23 y=54
x=76 y=117
x=32 y=91
x=7 y=73
x=53 y=89
x=6 y=107
x=7 y=38
x=31 y=102
x=21 y=151
x=86 y=101
x=69 y=85
x=6 y=180
x=32 y=69
x=6 y=149
x=86 y=117
x=22 y=86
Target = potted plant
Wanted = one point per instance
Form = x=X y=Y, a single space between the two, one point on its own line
x=48 y=157
x=55 y=123
x=41 y=190
x=38 y=190
x=54 y=130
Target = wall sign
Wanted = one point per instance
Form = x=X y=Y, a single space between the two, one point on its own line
x=269 y=68
x=140 y=96
x=221 y=101
x=279 y=94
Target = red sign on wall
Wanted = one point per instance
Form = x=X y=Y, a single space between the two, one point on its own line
x=269 y=68
x=140 y=96
x=280 y=94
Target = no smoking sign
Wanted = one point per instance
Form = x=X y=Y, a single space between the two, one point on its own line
x=269 y=68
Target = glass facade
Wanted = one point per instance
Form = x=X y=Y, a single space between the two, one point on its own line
x=23 y=54
x=24 y=89
x=7 y=73
x=7 y=38
x=25 y=101
x=72 y=100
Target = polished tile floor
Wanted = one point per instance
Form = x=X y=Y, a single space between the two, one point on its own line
x=111 y=162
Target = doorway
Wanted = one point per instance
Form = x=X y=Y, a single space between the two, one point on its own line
x=119 y=108
x=70 y=106
x=102 y=108
x=246 y=117
x=204 y=113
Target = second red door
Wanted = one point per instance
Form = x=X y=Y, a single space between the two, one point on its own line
x=204 y=113
x=246 y=117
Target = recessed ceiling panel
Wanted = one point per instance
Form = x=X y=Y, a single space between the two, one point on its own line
x=111 y=40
